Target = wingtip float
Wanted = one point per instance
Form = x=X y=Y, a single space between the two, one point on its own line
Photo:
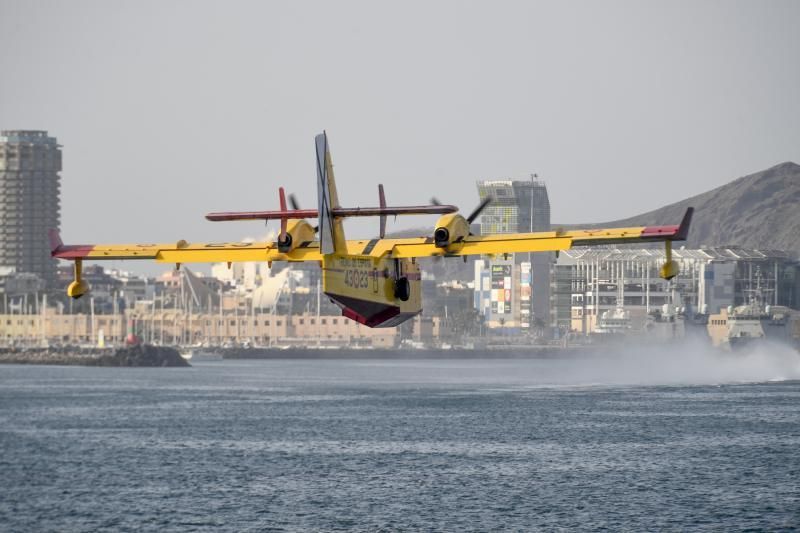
x=376 y=282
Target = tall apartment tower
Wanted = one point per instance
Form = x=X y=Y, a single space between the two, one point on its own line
x=29 y=201
x=518 y=206
x=522 y=206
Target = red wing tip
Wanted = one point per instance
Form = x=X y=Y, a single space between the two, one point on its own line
x=677 y=232
x=78 y=251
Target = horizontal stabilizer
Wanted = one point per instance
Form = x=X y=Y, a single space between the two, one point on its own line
x=295 y=214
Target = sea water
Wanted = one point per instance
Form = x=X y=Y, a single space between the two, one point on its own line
x=383 y=445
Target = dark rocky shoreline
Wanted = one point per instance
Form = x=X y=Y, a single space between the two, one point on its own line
x=142 y=355
x=158 y=356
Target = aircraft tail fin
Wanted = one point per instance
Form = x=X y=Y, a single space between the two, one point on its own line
x=331 y=232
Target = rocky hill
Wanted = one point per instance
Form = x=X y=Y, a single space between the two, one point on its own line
x=759 y=211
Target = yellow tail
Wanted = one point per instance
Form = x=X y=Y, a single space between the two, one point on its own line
x=331 y=231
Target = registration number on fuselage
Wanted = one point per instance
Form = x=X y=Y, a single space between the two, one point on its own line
x=357 y=271
x=358 y=279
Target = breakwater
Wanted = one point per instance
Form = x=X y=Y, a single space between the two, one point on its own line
x=142 y=355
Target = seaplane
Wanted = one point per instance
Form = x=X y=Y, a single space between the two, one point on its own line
x=375 y=282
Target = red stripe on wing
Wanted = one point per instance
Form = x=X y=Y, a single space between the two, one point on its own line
x=660 y=231
x=73 y=251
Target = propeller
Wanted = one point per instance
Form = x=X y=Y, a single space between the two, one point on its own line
x=477 y=211
x=296 y=206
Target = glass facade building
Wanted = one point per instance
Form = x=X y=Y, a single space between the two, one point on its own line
x=518 y=206
x=522 y=206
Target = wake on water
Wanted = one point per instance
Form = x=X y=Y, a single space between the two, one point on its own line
x=683 y=363
x=691 y=363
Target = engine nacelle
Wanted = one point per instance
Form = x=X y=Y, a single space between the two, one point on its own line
x=297 y=232
x=449 y=229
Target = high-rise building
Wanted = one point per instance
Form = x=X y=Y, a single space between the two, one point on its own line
x=522 y=206
x=518 y=206
x=29 y=201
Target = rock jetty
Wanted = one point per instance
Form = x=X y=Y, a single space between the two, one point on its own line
x=142 y=355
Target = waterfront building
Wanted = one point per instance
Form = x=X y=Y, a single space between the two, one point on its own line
x=590 y=281
x=104 y=287
x=183 y=289
x=494 y=293
x=445 y=298
x=518 y=206
x=242 y=276
x=30 y=162
x=182 y=327
x=133 y=288
x=503 y=296
x=15 y=286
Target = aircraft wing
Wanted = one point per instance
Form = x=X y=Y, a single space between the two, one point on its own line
x=548 y=241
x=184 y=252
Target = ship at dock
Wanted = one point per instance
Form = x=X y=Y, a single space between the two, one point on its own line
x=754 y=323
x=662 y=324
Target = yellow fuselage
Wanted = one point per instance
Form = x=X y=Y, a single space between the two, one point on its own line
x=377 y=292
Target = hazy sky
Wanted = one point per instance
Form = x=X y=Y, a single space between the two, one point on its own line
x=168 y=110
